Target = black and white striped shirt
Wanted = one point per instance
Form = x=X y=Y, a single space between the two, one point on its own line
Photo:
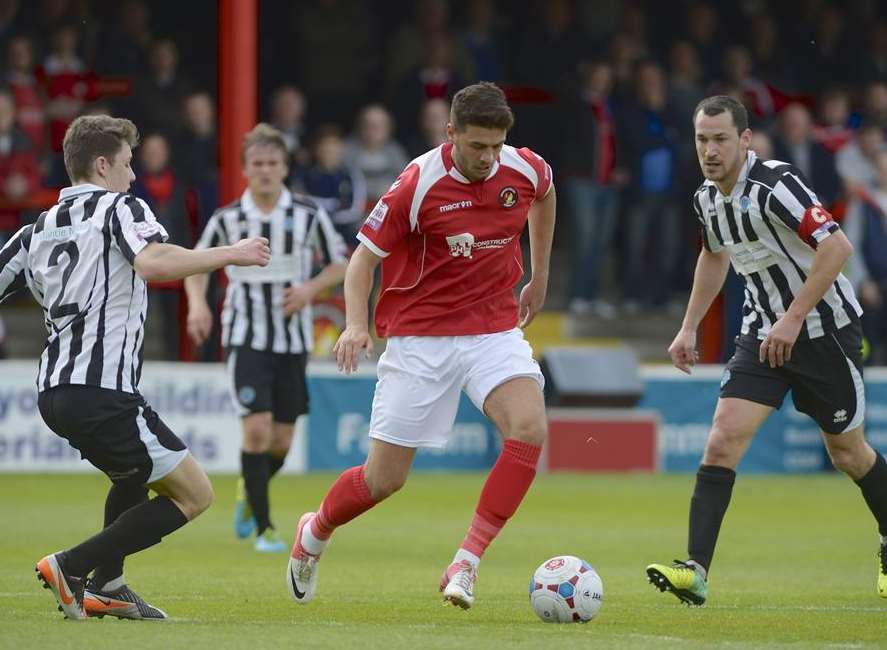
x=298 y=230
x=77 y=260
x=771 y=224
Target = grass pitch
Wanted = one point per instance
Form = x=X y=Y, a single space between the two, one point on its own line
x=795 y=568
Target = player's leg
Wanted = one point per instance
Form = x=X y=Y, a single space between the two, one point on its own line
x=121 y=497
x=735 y=423
x=282 y=434
x=750 y=391
x=250 y=375
x=505 y=381
x=850 y=453
x=414 y=405
x=121 y=435
x=831 y=390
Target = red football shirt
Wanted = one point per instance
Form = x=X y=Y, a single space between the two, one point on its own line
x=452 y=247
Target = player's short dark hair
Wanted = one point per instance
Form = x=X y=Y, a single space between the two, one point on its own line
x=482 y=104
x=263 y=134
x=717 y=104
x=92 y=136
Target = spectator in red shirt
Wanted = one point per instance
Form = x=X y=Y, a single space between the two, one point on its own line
x=19 y=172
x=30 y=103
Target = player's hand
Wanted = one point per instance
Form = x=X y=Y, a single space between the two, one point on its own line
x=254 y=251
x=776 y=348
x=353 y=342
x=683 y=351
x=295 y=298
x=870 y=294
x=532 y=297
x=200 y=322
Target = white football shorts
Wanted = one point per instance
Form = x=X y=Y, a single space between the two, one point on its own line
x=421 y=378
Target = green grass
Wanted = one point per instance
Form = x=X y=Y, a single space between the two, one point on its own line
x=795 y=568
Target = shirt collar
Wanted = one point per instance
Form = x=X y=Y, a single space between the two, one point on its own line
x=81 y=188
x=249 y=205
x=447 y=153
x=738 y=188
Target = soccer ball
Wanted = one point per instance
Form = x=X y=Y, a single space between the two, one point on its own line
x=566 y=589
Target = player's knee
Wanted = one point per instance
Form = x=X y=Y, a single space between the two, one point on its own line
x=256 y=439
x=382 y=487
x=849 y=460
x=200 y=497
x=531 y=431
x=725 y=444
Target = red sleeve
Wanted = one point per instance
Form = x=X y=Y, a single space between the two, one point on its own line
x=542 y=169
x=389 y=220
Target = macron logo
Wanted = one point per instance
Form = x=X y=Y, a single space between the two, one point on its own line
x=458 y=205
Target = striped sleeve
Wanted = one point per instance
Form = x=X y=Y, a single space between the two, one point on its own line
x=796 y=206
x=135 y=226
x=709 y=241
x=213 y=234
x=13 y=260
x=326 y=241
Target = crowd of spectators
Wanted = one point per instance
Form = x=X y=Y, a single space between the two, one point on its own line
x=603 y=89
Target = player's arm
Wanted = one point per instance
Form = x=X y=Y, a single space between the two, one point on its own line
x=358 y=284
x=166 y=262
x=541 y=228
x=13 y=258
x=200 y=317
x=711 y=270
x=331 y=248
x=831 y=255
x=795 y=205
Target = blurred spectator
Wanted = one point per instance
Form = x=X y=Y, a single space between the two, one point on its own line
x=288 y=116
x=762 y=145
x=869 y=271
x=648 y=139
x=9 y=19
x=374 y=152
x=30 y=102
x=872 y=63
x=409 y=48
x=856 y=161
x=624 y=55
x=591 y=187
x=68 y=87
x=794 y=144
x=157 y=184
x=338 y=188
x=825 y=58
x=3 y=353
x=737 y=71
x=875 y=108
x=482 y=39
x=833 y=130
x=336 y=54
x=771 y=61
x=197 y=153
x=703 y=31
x=435 y=79
x=549 y=46
x=19 y=172
x=685 y=91
x=126 y=43
x=157 y=98
x=433 y=119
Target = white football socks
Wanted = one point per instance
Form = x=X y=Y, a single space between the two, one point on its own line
x=309 y=542
x=469 y=557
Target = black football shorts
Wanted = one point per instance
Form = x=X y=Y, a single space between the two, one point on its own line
x=824 y=376
x=118 y=432
x=268 y=381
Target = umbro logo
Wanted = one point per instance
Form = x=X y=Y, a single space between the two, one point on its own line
x=841 y=415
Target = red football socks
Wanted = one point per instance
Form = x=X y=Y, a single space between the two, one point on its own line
x=348 y=498
x=503 y=492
